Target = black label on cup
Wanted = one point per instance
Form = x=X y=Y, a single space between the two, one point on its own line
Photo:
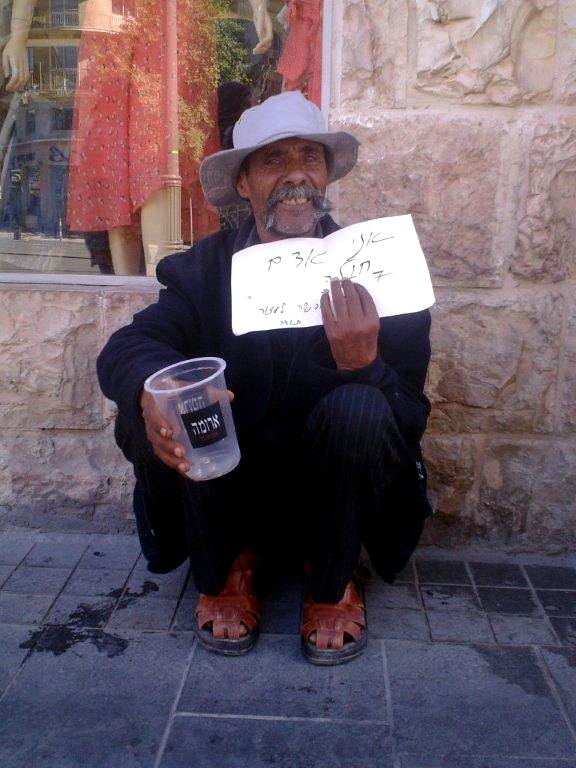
x=205 y=426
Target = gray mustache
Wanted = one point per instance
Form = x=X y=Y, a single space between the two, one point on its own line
x=320 y=201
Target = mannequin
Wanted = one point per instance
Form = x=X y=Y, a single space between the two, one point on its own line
x=263 y=25
x=118 y=160
x=14 y=56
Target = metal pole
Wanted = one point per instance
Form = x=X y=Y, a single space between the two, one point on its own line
x=171 y=179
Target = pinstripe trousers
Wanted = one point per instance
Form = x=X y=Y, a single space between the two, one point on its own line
x=316 y=496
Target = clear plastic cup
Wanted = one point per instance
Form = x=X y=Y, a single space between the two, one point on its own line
x=192 y=396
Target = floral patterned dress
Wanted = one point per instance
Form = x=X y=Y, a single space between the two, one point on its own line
x=118 y=152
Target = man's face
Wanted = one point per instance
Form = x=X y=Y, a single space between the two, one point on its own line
x=285 y=183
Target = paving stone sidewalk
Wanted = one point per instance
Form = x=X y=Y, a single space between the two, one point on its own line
x=471 y=663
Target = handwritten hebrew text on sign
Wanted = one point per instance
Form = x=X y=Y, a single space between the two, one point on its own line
x=278 y=285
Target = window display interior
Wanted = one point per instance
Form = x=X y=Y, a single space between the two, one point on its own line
x=109 y=106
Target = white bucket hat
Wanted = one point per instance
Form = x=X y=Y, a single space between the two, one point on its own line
x=284 y=116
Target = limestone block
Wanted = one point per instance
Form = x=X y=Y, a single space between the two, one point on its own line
x=357 y=63
x=495 y=363
x=527 y=493
x=566 y=417
x=373 y=68
x=47 y=342
x=109 y=411
x=486 y=51
x=440 y=169
x=565 y=80
x=66 y=480
x=119 y=306
x=5 y=477
x=451 y=463
x=547 y=216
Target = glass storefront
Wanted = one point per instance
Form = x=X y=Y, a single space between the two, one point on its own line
x=108 y=108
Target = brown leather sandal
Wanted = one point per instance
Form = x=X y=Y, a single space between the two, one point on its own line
x=220 y=619
x=341 y=628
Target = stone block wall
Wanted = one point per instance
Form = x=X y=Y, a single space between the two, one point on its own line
x=59 y=466
x=466 y=110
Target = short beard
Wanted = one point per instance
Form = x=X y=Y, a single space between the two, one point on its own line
x=320 y=203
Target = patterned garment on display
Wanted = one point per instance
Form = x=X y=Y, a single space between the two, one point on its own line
x=301 y=60
x=117 y=155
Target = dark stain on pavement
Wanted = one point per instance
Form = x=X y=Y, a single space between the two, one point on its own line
x=82 y=626
x=87 y=615
x=146 y=589
x=58 y=639
x=516 y=666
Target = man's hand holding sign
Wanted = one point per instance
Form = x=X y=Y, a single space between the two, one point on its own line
x=351 y=324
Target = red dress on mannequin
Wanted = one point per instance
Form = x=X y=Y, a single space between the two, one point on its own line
x=300 y=62
x=117 y=157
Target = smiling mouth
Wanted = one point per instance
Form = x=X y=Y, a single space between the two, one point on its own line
x=294 y=201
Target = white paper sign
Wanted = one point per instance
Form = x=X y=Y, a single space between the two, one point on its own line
x=278 y=285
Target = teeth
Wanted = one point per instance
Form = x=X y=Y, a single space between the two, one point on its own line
x=295 y=201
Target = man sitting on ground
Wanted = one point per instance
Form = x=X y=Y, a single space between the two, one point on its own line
x=329 y=418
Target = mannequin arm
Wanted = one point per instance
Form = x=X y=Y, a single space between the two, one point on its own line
x=14 y=56
x=263 y=25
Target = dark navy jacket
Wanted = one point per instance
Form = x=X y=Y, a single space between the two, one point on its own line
x=192 y=318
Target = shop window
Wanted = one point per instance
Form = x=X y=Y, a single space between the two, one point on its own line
x=88 y=151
